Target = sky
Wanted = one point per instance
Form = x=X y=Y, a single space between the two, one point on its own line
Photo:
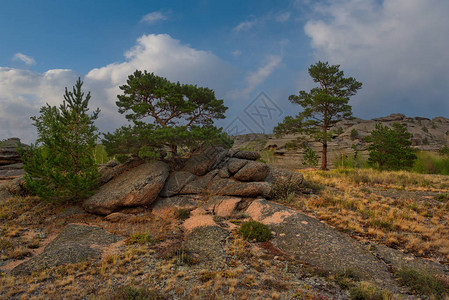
x=253 y=54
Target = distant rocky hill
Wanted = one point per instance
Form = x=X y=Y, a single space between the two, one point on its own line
x=427 y=134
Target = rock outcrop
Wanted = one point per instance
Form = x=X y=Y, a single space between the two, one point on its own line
x=139 y=186
x=10 y=161
x=215 y=172
x=76 y=243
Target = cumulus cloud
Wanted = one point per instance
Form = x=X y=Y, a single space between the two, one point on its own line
x=398 y=49
x=29 y=61
x=23 y=92
x=154 y=17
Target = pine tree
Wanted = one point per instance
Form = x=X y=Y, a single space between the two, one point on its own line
x=390 y=148
x=323 y=106
x=61 y=166
x=180 y=119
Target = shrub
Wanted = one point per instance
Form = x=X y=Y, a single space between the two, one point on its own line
x=138 y=238
x=422 y=283
x=424 y=128
x=444 y=151
x=292 y=145
x=431 y=163
x=182 y=214
x=255 y=231
x=284 y=190
x=367 y=291
x=354 y=134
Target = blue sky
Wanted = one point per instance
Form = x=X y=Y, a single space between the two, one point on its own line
x=396 y=48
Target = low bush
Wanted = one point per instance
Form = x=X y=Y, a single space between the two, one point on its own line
x=136 y=293
x=431 y=163
x=182 y=214
x=423 y=283
x=255 y=231
x=138 y=238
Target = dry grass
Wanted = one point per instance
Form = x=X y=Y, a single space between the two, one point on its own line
x=400 y=209
x=147 y=265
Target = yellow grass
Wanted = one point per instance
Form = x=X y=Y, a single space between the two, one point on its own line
x=400 y=209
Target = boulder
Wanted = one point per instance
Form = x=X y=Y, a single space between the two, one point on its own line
x=139 y=186
x=279 y=174
x=76 y=243
x=177 y=202
x=231 y=187
x=253 y=171
x=201 y=163
x=223 y=206
x=391 y=118
x=112 y=169
x=199 y=185
x=235 y=164
x=15 y=186
x=248 y=155
x=224 y=172
x=176 y=182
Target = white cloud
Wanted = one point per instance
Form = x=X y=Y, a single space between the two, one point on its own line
x=29 y=61
x=236 y=53
x=154 y=17
x=245 y=26
x=257 y=77
x=397 y=48
x=23 y=92
x=283 y=17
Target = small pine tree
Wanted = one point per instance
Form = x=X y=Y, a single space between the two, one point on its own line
x=390 y=147
x=61 y=166
x=310 y=158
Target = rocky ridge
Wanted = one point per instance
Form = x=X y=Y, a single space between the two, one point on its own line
x=427 y=134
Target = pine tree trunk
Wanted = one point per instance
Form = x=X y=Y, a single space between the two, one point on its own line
x=324 y=157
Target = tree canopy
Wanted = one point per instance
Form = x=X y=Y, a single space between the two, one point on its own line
x=323 y=106
x=179 y=118
x=390 y=148
x=60 y=166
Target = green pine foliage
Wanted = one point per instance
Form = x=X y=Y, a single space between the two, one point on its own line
x=310 y=158
x=181 y=119
x=390 y=148
x=61 y=165
x=323 y=106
